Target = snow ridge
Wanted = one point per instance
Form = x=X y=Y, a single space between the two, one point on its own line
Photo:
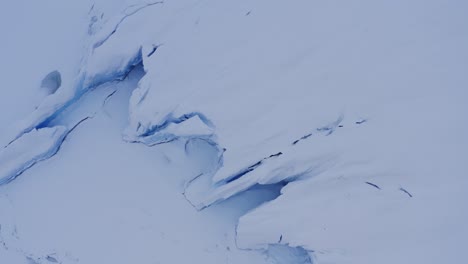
x=252 y=97
x=129 y=11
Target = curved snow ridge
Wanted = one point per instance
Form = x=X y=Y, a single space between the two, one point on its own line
x=224 y=177
x=315 y=154
x=294 y=162
x=129 y=11
x=92 y=77
x=32 y=147
x=39 y=130
x=187 y=126
x=100 y=64
x=43 y=139
x=273 y=171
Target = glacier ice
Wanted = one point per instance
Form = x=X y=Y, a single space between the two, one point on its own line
x=32 y=147
x=324 y=101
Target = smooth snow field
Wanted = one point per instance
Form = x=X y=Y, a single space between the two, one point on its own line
x=262 y=132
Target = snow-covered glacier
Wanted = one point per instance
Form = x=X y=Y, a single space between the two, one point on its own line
x=314 y=132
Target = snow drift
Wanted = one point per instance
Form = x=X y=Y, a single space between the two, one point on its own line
x=357 y=108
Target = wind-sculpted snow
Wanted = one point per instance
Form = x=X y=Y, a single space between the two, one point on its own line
x=353 y=113
x=93 y=74
x=269 y=79
x=291 y=163
x=129 y=11
x=56 y=103
x=31 y=148
x=279 y=254
x=192 y=125
x=99 y=66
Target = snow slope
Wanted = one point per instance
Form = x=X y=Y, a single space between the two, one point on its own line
x=101 y=200
x=354 y=109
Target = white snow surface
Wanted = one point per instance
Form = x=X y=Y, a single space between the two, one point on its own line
x=357 y=108
x=32 y=147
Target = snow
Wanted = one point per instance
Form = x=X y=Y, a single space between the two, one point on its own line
x=315 y=132
x=31 y=148
x=408 y=218
x=51 y=82
x=32 y=47
x=284 y=254
x=101 y=199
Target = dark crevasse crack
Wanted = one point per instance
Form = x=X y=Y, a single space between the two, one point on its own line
x=405 y=191
x=48 y=119
x=105 y=102
x=197 y=147
x=185 y=188
x=302 y=138
x=24 y=165
x=170 y=119
x=153 y=50
x=373 y=185
x=91 y=9
x=45 y=121
x=163 y=138
x=135 y=62
x=141 y=99
x=84 y=84
x=53 y=150
x=238 y=183
x=276 y=155
x=278 y=251
x=242 y=173
x=70 y=131
x=55 y=120
x=328 y=130
x=249 y=169
x=129 y=14
x=360 y=121
x=108 y=97
x=379 y=188
x=157 y=135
